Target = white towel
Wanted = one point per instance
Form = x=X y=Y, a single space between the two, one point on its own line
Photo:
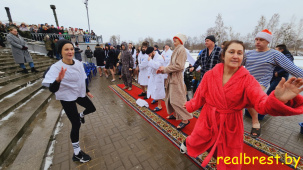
x=142 y=103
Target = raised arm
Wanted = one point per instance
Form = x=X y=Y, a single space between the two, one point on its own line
x=284 y=101
x=289 y=66
x=156 y=62
x=144 y=61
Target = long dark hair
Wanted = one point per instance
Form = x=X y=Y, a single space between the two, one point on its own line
x=227 y=44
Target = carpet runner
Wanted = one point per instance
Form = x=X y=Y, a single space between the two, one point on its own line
x=168 y=128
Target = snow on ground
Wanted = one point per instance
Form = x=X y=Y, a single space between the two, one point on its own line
x=50 y=153
x=16 y=92
x=13 y=112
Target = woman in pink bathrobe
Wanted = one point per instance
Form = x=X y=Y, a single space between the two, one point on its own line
x=224 y=92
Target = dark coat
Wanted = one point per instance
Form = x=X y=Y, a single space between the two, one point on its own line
x=78 y=53
x=89 y=53
x=100 y=56
x=110 y=56
x=117 y=54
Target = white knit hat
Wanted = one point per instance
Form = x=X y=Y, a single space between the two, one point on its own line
x=181 y=37
x=265 y=34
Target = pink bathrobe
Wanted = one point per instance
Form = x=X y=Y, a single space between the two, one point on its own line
x=220 y=125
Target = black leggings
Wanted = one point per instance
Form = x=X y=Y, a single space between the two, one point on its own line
x=71 y=111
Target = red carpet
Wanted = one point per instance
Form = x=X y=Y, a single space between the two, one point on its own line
x=252 y=147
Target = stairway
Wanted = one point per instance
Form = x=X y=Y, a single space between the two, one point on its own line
x=28 y=114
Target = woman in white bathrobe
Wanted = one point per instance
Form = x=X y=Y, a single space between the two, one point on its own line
x=156 y=81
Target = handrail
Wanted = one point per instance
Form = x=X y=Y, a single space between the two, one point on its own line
x=74 y=38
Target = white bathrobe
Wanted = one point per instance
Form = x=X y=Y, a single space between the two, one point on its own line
x=143 y=69
x=156 y=81
x=167 y=55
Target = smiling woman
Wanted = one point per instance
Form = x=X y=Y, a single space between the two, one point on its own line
x=224 y=92
x=66 y=79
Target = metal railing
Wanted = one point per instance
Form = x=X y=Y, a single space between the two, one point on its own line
x=73 y=38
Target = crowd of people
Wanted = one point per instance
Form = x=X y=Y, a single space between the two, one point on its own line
x=226 y=80
x=26 y=30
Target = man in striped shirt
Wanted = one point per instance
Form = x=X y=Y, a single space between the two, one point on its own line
x=261 y=64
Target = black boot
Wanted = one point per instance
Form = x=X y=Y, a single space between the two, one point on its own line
x=34 y=70
x=24 y=71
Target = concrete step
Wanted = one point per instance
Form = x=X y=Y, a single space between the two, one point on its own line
x=15 y=66
x=32 y=151
x=14 y=100
x=11 y=58
x=12 y=62
x=19 y=70
x=15 y=124
x=12 y=87
x=15 y=77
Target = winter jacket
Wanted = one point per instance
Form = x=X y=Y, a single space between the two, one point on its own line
x=89 y=53
x=100 y=56
x=78 y=53
x=17 y=43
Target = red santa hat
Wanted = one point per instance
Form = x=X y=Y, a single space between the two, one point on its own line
x=181 y=37
x=265 y=34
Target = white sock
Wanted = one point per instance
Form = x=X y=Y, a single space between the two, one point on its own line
x=81 y=115
x=76 y=147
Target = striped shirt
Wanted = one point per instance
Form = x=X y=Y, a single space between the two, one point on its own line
x=262 y=64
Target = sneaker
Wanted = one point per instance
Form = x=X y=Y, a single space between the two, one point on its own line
x=129 y=89
x=113 y=80
x=125 y=87
x=2 y=72
x=81 y=157
x=183 y=148
x=142 y=94
x=24 y=71
x=82 y=120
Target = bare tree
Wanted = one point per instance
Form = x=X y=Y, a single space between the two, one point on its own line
x=188 y=43
x=150 y=40
x=113 y=40
x=299 y=38
x=261 y=25
x=272 y=26
x=232 y=35
x=118 y=39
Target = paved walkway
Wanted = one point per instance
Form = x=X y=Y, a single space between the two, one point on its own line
x=116 y=137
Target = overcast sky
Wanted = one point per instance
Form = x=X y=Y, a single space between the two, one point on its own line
x=134 y=19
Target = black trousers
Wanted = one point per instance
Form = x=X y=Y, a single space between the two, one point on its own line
x=50 y=54
x=71 y=111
